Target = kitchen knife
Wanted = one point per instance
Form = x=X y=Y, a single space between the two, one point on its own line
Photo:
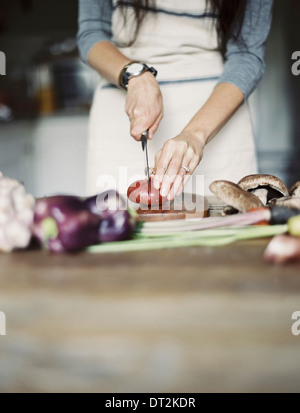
x=144 y=140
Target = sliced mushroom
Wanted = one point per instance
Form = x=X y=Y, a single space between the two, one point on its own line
x=295 y=189
x=286 y=201
x=231 y=194
x=264 y=186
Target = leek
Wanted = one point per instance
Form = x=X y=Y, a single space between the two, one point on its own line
x=206 y=238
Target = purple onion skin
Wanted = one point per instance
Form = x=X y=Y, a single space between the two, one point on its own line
x=44 y=206
x=116 y=227
x=90 y=204
x=55 y=245
x=77 y=231
x=116 y=223
x=77 y=226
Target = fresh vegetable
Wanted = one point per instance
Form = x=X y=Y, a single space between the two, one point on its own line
x=16 y=215
x=283 y=249
x=69 y=223
x=239 y=220
x=138 y=192
x=257 y=216
x=117 y=223
x=206 y=232
x=63 y=223
x=233 y=195
x=209 y=238
x=117 y=226
x=264 y=186
x=294 y=226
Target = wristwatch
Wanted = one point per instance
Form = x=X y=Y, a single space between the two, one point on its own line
x=134 y=69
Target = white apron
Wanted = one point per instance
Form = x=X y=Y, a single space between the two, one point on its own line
x=181 y=44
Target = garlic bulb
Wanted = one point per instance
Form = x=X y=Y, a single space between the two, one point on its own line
x=16 y=215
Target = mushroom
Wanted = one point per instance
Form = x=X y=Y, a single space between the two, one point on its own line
x=229 y=210
x=233 y=195
x=265 y=187
x=295 y=189
x=286 y=201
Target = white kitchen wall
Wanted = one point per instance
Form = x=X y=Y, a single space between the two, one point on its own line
x=47 y=154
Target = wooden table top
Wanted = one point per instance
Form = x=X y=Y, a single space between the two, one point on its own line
x=178 y=320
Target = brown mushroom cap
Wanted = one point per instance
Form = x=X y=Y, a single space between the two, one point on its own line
x=295 y=189
x=286 y=201
x=251 y=182
x=233 y=195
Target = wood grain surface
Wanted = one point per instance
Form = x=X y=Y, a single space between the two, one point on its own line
x=185 y=320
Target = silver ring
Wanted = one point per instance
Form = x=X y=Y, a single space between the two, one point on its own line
x=186 y=168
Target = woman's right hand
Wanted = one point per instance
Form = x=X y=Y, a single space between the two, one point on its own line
x=144 y=105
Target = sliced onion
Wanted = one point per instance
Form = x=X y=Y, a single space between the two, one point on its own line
x=139 y=193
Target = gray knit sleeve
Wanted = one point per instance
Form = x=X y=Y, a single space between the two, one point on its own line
x=244 y=64
x=94 y=24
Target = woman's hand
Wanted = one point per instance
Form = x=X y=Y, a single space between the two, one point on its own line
x=184 y=150
x=144 y=105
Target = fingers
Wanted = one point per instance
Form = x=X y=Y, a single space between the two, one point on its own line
x=154 y=127
x=182 y=177
x=169 y=167
x=162 y=164
x=170 y=176
x=138 y=125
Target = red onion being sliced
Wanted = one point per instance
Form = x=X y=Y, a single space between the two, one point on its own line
x=138 y=193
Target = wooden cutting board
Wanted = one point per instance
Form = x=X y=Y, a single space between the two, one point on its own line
x=184 y=206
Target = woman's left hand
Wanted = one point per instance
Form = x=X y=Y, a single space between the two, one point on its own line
x=184 y=150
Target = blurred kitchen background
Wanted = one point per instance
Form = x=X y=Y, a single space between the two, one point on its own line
x=47 y=91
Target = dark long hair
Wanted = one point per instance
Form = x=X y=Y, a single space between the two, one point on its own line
x=230 y=16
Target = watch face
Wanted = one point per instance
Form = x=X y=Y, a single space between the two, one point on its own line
x=135 y=69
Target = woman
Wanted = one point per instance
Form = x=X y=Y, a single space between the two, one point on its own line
x=209 y=56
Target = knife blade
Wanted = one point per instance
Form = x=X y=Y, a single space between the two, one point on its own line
x=144 y=141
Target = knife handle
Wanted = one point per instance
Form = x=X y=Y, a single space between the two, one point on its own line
x=143 y=141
